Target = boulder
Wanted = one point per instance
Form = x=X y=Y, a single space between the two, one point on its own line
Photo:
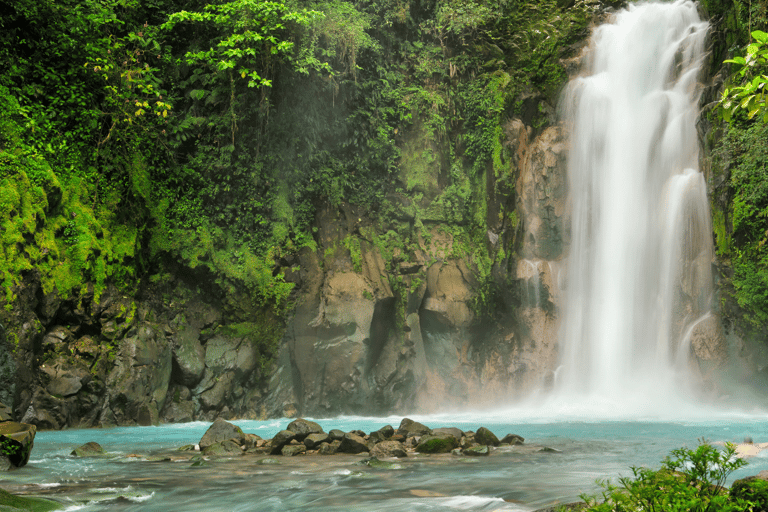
x=16 y=442
x=329 y=448
x=281 y=439
x=337 y=434
x=387 y=449
x=221 y=430
x=512 y=439
x=410 y=428
x=437 y=444
x=252 y=441
x=477 y=451
x=293 y=449
x=90 y=449
x=313 y=441
x=352 y=443
x=451 y=431
x=485 y=436
x=387 y=431
x=223 y=448
x=302 y=428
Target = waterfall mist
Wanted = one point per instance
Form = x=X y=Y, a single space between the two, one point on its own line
x=639 y=263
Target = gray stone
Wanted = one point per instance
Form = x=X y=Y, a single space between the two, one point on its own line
x=281 y=439
x=353 y=444
x=329 y=448
x=188 y=356
x=6 y=414
x=512 y=439
x=477 y=451
x=302 y=428
x=221 y=430
x=452 y=431
x=336 y=434
x=409 y=428
x=313 y=441
x=224 y=448
x=293 y=449
x=485 y=436
x=89 y=449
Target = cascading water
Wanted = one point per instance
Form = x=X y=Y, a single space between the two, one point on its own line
x=640 y=256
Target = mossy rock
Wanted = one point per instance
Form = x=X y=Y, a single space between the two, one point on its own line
x=10 y=502
x=89 y=449
x=478 y=451
x=435 y=444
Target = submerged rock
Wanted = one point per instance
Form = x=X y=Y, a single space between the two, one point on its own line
x=11 y=502
x=89 y=449
x=477 y=451
x=374 y=462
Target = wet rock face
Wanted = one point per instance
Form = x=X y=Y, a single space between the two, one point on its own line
x=108 y=360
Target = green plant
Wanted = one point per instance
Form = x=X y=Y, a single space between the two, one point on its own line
x=689 y=480
x=746 y=89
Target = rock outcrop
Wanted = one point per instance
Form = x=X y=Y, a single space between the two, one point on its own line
x=16 y=443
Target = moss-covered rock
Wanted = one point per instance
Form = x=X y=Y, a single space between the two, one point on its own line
x=16 y=442
x=437 y=444
x=11 y=503
x=485 y=436
x=89 y=449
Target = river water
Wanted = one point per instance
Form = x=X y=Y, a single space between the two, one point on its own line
x=520 y=478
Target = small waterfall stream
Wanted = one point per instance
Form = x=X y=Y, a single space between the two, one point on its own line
x=639 y=263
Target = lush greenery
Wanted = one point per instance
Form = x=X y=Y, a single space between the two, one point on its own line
x=143 y=139
x=688 y=481
x=138 y=138
x=739 y=158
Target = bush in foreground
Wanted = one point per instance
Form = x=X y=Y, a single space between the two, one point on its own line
x=688 y=480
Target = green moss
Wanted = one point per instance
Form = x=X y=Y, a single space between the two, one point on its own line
x=34 y=504
x=352 y=243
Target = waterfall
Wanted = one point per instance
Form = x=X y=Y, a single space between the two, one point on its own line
x=638 y=273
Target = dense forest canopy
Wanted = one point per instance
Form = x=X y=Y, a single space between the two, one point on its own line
x=139 y=139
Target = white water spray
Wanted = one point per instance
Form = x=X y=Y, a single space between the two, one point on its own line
x=639 y=262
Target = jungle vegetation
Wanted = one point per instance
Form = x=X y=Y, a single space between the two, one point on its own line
x=140 y=139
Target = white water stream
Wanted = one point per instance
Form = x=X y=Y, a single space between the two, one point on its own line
x=639 y=263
